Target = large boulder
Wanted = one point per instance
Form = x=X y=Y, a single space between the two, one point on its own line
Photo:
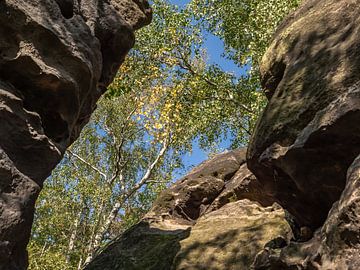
x=56 y=59
x=193 y=194
x=304 y=155
x=204 y=221
x=335 y=246
x=305 y=150
x=308 y=134
x=230 y=237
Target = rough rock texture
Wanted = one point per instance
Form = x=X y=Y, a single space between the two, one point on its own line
x=304 y=155
x=196 y=224
x=144 y=246
x=306 y=147
x=308 y=134
x=56 y=59
x=335 y=246
x=230 y=237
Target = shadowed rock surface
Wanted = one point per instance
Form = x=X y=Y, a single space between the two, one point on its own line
x=56 y=59
x=308 y=134
x=304 y=154
x=197 y=224
x=306 y=144
x=334 y=246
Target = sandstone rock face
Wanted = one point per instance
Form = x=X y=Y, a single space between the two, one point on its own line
x=308 y=134
x=335 y=246
x=56 y=59
x=304 y=155
x=144 y=246
x=190 y=197
x=340 y=235
x=230 y=237
x=203 y=221
x=305 y=151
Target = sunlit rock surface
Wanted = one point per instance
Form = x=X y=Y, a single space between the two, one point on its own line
x=305 y=147
x=303 y=155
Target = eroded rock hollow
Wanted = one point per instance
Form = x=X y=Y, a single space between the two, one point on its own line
x=56 y=59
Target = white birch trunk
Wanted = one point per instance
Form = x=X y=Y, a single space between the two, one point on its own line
x=116 y=208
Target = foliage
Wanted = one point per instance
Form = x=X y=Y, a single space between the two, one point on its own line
x=44 y=258
x=202 y=99
x=105 y=183
x=246 y=26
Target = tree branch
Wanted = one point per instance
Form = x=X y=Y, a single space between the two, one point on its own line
x=117 y=206
x=187 y=66
x=118 y=165
x=87 y=163
x=149 y=171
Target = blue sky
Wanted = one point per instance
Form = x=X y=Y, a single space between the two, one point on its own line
x=215 y=48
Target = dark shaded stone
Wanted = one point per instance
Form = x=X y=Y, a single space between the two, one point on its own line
x=306 y=147
x=307 y=137
x=191 y=196
x=56 y=59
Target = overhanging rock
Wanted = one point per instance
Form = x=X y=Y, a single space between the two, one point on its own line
x=56 y=59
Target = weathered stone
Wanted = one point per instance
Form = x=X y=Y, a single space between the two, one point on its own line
x=144 y=246
x=230 y=237
x=305 y=146
x=335 y=246
x=56 y=59
x=340 y=245
x=308 y=134
x=212 y=229
x=243 y=185
x=295 y=256
x=190 y=197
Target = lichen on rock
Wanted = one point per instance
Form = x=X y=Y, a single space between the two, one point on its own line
x=303 y=155
x=305 y=145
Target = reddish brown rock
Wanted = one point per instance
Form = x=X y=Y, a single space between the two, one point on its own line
x=243 y=185
x=56 y=59
x=190 y=197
